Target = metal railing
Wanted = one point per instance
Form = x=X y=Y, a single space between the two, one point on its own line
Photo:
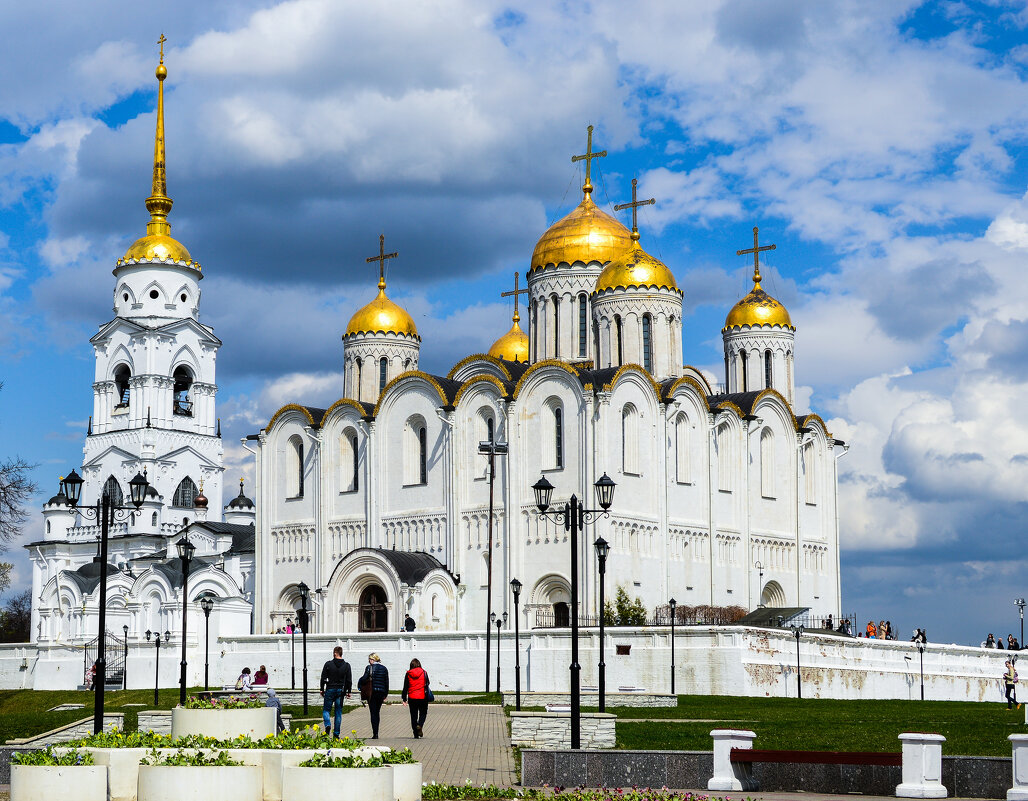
x=114 y=654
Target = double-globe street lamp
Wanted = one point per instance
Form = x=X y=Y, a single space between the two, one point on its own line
x=124 y=660
x=207 y=605
x=305 y=593
x=797 y=631
x=515 y=587
x=499 y=621
x=574 y=516
x=491 y=449
x=292 y=649
x=1020 y=604
x=185 y=553
x=105 y=512
x=157 y=663
x=602 y=549
x=672 y=604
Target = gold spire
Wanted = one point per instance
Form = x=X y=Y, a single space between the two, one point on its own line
x=588 y=157
x=512 y=346
x=158 y=243
x=758 y=308
x=382 y=316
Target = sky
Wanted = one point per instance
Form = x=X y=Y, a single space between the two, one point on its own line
x=882 y=145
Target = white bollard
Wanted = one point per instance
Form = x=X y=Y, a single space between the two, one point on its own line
x=1019 y=792
x=730 y=775
x=922 y=766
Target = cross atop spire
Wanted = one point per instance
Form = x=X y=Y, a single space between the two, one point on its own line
x=634 y=206
x=161 y=42
x=588 y=157
x=755 y=250
x=515 y=293
x=159 y=204
x=381 y=259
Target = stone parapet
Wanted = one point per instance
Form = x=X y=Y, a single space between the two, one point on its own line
x=592 y=699
x=553 y=730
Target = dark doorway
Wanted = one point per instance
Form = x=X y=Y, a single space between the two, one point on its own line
x=561 y=615
x=373 y=611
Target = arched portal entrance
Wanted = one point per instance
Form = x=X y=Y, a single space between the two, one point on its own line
x=772 y=595
x=561 y=615
x=373 y=612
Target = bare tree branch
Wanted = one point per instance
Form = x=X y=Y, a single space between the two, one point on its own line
x=16 y=488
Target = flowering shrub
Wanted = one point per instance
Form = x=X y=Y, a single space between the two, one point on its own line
x=48 y=758
x=231 y=702
x=401 y=757
x=353 y=761
x=184 y=758
x=312 y=738
x=444 y=792
x=115 y=738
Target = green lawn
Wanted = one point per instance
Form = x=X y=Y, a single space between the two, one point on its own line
x=972 y=729
x=24 y=712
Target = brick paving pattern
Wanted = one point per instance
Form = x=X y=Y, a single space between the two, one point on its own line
x=461 y=742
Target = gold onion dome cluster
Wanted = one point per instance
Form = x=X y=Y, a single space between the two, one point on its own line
x=512 y=346
x=587 y=234
x=382 y=316
x=635 y=268
x=756 y=309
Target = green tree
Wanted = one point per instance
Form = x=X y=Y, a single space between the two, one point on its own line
x=16 y=618
x=624 y=611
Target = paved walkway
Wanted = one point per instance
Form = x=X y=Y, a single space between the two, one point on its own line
x=461 y=741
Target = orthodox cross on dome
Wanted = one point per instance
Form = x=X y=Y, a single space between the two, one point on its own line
x=755 y=250
x=588 y=157
x=381 y=259
x=161 y=42
x=515 y=293
x=634 y=206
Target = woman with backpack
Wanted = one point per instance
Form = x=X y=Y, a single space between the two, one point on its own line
x=244 y=681
x=374 y=687
x=416 y=695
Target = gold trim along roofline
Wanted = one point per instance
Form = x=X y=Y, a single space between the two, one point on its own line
x=475 y=357
x=538 y=366
x=632 y=368
x=291 y=407
x=340 y=403
x=682 y=381
x=479 y=379
x=411 y=374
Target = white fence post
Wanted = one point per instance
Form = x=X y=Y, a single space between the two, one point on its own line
x=1019 y=791
x=922 y=766
x=730 y=775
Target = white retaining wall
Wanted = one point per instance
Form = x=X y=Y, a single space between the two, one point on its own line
x=729 y=660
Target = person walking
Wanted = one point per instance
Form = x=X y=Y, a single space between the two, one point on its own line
x=1010 y=682
x=374 y=686
x=336 y=683
x=415 y=696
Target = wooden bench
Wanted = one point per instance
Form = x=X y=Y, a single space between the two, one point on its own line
x=748 y=755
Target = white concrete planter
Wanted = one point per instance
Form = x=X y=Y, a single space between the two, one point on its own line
x=188 y=783
x=337 y=784
x=225 y=724
x=123 y=773
x=275 y=761
x=364 y=752
x=46 y=783
x=407 y=782
x=248 y=756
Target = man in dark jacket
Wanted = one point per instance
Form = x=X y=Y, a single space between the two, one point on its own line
x=336 y=683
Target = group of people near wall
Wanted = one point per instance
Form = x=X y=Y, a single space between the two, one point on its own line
x=337 y=683
x=997 y=642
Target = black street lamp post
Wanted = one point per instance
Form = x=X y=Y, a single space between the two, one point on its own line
x=124 y=662
x=185 y=553
x=515 y=587
x=304 y=596
x=206 y=604
x=1020 y=604
x=105 y=512
x=574 y=516
x=920 y=651
x=499 y=622
x=492 y=450
x=673 y=604
x=157 y=663
x=797 y=631
x=292 y=648
x=602 y=549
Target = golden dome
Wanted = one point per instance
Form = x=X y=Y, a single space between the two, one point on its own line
x=382 y=316
x=758 y=308
x=586 y=235
x=158 y=247
x=636 y=269
x=512 y=346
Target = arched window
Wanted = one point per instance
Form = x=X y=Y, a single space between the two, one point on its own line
x=122 y=374
x=489 y=430
x=810 y=474
x=349 y=468
x=423 y=455
x=596 y=344
x=406 y=364
x=535 y=333
x=153 y=519
x=767 y=463
x=630 y=440
x=359 y=364
x=724 y=459
x=558 y=437
x=185 y=494
x=742 y=368
x=767 y=368
x=112 y=489
x=618 y=335
x=683 y=475
x=556 y=327
x=183 y=404
x=415 y=452
x=647 y=344
x=583 y=324
x=383 y=364
x=294 y=452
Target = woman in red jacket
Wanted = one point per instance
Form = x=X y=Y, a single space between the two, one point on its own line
x=415 y=692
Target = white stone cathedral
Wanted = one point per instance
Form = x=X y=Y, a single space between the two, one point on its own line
x=381 y=502
x=154 y=411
